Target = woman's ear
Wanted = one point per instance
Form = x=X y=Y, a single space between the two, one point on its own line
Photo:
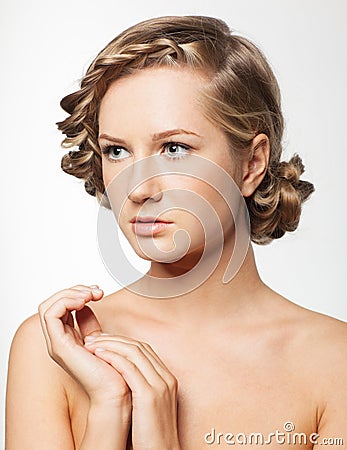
x=254 y=168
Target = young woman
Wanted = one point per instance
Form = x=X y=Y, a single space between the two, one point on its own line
x=175 y=361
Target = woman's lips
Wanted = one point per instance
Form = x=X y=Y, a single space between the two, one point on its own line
x=148 y=226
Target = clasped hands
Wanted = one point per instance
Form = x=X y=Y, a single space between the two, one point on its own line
x=117 y=373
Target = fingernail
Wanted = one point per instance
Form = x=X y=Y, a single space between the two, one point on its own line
x=96 y=290
x=99 y=349
x=94 y=286
x=90 y=338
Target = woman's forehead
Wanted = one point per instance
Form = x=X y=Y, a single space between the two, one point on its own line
x=159 y=99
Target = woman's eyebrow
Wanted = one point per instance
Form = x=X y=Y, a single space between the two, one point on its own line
x=155 y=136
x=168 y=133
x=112 y=139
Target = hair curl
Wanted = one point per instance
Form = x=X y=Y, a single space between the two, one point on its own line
x=242 y=97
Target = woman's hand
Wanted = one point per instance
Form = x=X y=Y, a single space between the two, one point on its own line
x=153 y=389
x=104 y=385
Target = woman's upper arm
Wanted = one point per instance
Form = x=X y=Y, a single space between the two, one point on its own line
x=37 y=413
x=332 y=430
x=332 y=373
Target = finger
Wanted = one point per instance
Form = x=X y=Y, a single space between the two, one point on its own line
x=52 y=318
x=154 y=355
x=147 y=349
x=93 y=291
x=137 y=354
x=87 y=321
x=160 y=366
x=77 y=291
x=44 y=307
x=133 y=377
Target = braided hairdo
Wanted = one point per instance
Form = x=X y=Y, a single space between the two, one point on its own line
x=242 y=98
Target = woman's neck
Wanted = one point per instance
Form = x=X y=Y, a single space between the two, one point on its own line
x=210 y=302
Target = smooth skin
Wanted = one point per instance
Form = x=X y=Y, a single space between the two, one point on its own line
x=234 y=358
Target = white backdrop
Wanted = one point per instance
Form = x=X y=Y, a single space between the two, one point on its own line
x=48 y=226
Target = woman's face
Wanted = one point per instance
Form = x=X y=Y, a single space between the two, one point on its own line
x=154 y=112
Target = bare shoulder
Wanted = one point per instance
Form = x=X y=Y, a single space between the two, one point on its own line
x=321 y=356
x=327 y=339
x=29 y=363
x=35 y=383
x=310 y=332
x=29 y=342
x=316 y=345
x=322 y=333
x=30 y=328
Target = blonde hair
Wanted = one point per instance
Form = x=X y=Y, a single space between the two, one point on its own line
x=242 y=98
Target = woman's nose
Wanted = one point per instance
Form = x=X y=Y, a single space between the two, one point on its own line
x=144 y=181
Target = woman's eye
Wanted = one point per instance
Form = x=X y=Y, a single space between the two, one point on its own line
x=173 y=151
x=176 y=150
x=114 y=152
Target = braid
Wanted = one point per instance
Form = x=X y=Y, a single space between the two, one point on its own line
x=81 y=127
